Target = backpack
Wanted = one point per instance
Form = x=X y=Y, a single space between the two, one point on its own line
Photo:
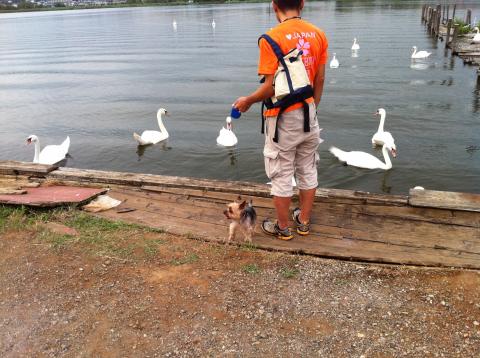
x=291 y=84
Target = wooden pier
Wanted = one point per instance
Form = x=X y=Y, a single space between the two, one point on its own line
x=425 y=227
x=440 y=21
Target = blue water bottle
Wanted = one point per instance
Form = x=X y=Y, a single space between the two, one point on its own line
x=235 y=113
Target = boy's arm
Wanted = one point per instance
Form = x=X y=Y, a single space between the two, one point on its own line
x=262 y=93
x=318 y=84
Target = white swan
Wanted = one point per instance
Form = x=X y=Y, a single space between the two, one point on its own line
x=364 y=160
x=382 y=137
x=213 y=23
x=174 y=25
x=476 y=38
x=51 y=154
x=419 y=54
x=334 y=62
x=355 y=46
x=226 y=137
x=153 y=137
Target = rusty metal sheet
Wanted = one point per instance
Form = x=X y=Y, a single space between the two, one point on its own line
x=51 y=196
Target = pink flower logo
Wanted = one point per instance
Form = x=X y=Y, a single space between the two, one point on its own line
x=304 y=46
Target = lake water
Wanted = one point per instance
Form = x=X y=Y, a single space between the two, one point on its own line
x=100 y=75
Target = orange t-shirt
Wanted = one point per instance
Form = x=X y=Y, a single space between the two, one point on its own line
x=288 y=35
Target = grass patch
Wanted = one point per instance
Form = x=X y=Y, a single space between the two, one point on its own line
x=288 y=272
x=249 y=246
x=190 y=236
x=151 y=247
x=95 y=235
x=463 y=27
x=189 y=259
x=251 y=269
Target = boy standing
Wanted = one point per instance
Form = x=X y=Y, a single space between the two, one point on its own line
x=291 y=142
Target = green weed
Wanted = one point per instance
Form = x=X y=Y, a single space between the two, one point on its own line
x=189 y=259
x=251 y=269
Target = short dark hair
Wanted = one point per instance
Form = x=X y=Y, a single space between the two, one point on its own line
x=288 y=4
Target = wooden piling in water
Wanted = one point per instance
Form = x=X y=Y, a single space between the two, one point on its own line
x=455 y=34
x=468 y=17
x=424 y=7
x=437 y=23
x=449 y=28
x=448 y=12
x=453 y=14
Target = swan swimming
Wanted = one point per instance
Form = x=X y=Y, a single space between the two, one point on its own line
x=51 y=154
x=153 y=137
x=382 y=137
x=334 y=62
x=419 y=54
x=364 y=160
x=226 y=137
x=355 y=46
x=476 y=38
x=174 y=25
x=213 y=23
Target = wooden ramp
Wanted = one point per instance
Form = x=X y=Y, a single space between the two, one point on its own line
x=52 y=196
x=424 y=228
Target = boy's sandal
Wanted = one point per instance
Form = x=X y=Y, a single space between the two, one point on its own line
x=302 y=229
x=271 y=228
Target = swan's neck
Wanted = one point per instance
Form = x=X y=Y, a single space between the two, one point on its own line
x=160 y=124
x=414 y=52
x=388 y=163
x=382 y=122
x=36 y=157
x=354 y=41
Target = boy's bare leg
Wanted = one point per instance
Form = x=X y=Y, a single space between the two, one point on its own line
x=307 y=198
x=282 y=206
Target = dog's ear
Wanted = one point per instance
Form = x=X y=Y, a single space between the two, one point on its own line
x=242 y=205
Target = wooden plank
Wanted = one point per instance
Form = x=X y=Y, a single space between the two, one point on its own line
x=325 y=204
x=52 y=196
x=445 y=200
x=335 y=224
x=10 y=167
x=12 y=191
x=231 y=187
x=317 y=244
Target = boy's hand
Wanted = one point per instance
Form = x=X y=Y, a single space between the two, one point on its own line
x=242 y=104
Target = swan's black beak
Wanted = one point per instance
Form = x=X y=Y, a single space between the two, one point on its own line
x=376 y=113
x=167 y=113
x=394 y=153
x=29 y=140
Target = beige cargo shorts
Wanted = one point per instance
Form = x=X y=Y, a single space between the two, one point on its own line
x=296 y=152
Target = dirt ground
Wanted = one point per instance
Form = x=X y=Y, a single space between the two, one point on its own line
x=108 y=290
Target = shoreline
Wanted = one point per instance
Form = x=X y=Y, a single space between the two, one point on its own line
x=115 y=6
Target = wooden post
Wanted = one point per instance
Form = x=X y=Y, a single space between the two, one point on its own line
x=430 y=17
x=437 y=22
x=448 y=12
x=449 y=28
x=454 y=38
x=468 y=18
x=424 y=7
x=453 y=14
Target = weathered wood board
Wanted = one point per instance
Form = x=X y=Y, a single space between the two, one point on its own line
x=363 y=232
x=52 y=196
x=428 y=228
x=24 y=168
x=445 y=200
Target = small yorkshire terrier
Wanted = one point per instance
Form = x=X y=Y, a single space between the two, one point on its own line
x=242 y=215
